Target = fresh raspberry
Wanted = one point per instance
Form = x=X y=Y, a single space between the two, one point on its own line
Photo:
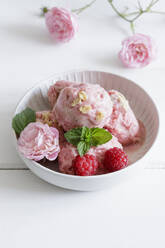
x=115 y=159
x=85 y=166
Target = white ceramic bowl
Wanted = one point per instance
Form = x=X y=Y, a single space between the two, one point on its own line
x=141 y=103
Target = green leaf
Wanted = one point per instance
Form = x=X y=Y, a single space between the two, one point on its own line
x=84 y=132
x=21 y=120
x=73 y=136
x=99 y=136
x=85 y=137
x=83 y=148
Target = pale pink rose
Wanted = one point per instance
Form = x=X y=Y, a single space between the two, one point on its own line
x=61 y=23
x=137 y=51
x=38 y=140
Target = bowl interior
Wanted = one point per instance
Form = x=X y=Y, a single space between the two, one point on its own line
x=139 y=100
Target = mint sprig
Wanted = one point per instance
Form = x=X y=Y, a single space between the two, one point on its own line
x=21 y=120
x=83 y=148
x=84 y=138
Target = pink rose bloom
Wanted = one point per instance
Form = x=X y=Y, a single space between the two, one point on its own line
x=61 y=23
x=137 y=51
x=38 y=140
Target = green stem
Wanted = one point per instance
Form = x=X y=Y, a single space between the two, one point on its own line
x=44 y=10
x=136 y=17
x=130 y=14
x=139 y=5
x=147 y=12
x=132 y=27
x=137 y=14
x=78 y=11
x=153 y=2
x=117 y=12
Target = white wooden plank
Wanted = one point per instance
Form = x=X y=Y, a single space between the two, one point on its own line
x=36 y=214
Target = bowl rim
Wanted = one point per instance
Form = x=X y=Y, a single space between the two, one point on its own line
x=38 y=165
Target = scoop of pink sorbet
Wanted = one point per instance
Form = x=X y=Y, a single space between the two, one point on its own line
x=122 y=122
x=82 y=105
x=55 y=89
x=68 y=153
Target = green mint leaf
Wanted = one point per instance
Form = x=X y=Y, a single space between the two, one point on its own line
x=83 y=138
x=73 y=136
x=86 y=134
x=82 y=148
x=99 y=136
x=83 y=133
x=21 y=120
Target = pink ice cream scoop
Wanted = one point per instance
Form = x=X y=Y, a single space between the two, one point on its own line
x=47 y=117
x=55 y=89
x=82 y=105
x=122 y=122
x=68 y=153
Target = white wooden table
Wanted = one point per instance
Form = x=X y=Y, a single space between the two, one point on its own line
x=36 y=214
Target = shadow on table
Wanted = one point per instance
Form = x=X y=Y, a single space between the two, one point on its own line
x=29 y=32
x=25 y=181
x=27 y=194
